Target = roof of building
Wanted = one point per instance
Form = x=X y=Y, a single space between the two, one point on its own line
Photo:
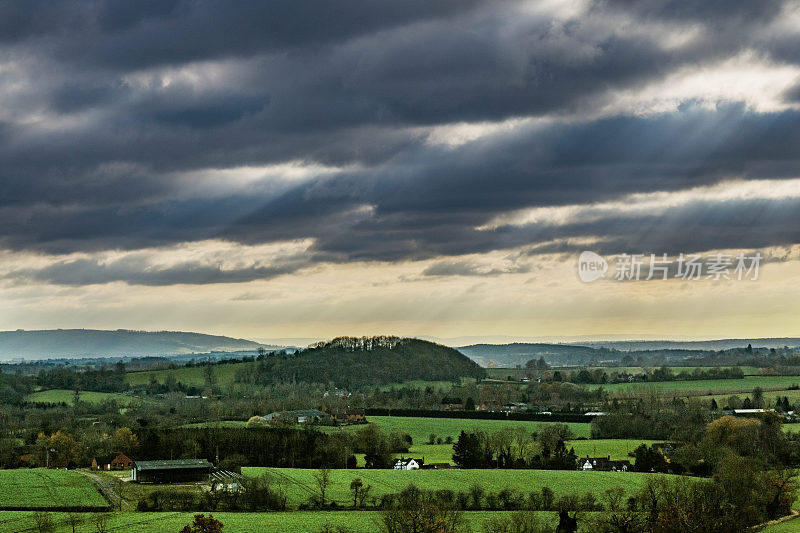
x=107 y=459
x=172 y=464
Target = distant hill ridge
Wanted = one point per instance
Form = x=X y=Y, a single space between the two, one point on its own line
x=41 y=344
x=519 y=353
x=718 y=344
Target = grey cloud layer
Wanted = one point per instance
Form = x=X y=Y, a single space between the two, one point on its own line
x=128 y=95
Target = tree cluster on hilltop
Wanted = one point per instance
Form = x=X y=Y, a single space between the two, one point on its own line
x=354 y=363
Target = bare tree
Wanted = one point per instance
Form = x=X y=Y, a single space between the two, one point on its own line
x=323 y=478
x=74 y=520
x=100 y=521
x=364 y=494
x=355 y=488
x=44 y=522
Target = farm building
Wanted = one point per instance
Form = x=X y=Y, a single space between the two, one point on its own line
x=112 y=462
x=751 y=412
x=302 y=416
x=178 y=471
x=603 y=464
x=350 y=416
x=407 y=464
x=435 y=466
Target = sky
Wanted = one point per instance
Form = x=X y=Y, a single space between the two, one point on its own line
x=433 y=168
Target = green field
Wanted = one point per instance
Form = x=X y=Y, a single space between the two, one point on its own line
x=702 y=387
x=769 y=397
x=195 y=376
x=617 y=449
x=66 y=396
x=519 y=373
x=432 y=453
x=296 y=522
x=421 y=428
x=300 y=483
x=789 y=526
x=39 y=488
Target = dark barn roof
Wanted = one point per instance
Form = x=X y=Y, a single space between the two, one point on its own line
x=179 y=464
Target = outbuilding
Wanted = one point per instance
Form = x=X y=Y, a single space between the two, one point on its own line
x=408 y=464
x=112 y=462
x=177 y=471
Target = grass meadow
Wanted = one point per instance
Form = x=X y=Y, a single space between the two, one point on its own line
x=617 y=449
x=518 y=373
x=40 y=488
x=421 y=428
x=295 y=522
x=194 y=376
x=300 y=484
x=703 y=387
x=66 y=396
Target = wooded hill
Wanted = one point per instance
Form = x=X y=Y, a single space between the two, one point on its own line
x=352 y=363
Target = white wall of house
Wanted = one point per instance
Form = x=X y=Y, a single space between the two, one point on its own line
x=410 y=465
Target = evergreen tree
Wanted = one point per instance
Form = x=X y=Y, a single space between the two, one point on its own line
x=467 y=451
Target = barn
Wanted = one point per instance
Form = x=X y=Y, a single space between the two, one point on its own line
x=112 y=462
x=178 y=471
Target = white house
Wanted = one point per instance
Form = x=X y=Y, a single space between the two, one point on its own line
x=752 y=411
x=603 y=464
x=406 y=464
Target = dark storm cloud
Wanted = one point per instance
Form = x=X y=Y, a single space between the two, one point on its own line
x=139 y=272
x=427 y=200
x=111 y=106
x=710 y=12
x=119 y=34
x=696 y=227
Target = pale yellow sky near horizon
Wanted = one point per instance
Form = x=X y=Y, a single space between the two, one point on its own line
x=544 y=300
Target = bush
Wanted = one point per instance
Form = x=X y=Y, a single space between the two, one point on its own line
x=257 y=422
x=203 y=524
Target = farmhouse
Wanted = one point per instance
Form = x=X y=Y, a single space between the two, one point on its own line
x=603 y=464
x=183 y=470
x=515 y=407
x=301 y=416
x=407 y=464
x=350 y=416
x=112 y=462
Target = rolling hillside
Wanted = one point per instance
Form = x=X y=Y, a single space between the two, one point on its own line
x=56 y=343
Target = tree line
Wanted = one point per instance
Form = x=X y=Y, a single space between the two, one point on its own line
x=516 y=448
